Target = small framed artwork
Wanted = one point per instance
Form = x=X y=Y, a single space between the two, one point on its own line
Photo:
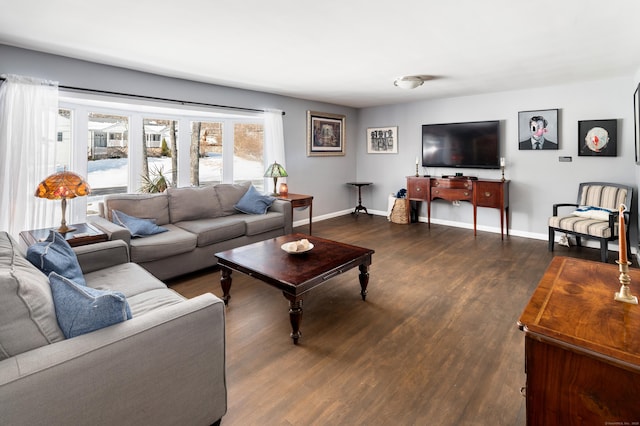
x=636 y=120
x=538 y=129
x=325 y=134
x=598 y=138
x=382 y=140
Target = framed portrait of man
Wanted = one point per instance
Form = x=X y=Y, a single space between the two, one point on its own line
x=538 y=129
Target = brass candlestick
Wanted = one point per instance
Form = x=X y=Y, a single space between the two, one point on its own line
x=624 y=295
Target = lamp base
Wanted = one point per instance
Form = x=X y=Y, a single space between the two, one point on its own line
x=64 y=229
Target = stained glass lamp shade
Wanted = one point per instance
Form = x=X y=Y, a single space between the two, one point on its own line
x=275 y=171
x=62 y=186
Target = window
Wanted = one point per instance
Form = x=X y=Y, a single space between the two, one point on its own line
x=129 y=145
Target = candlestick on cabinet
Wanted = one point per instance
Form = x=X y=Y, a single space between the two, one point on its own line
x=624 y=295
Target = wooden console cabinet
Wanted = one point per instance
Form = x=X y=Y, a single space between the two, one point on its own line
x=582 y=348
x=480 y=192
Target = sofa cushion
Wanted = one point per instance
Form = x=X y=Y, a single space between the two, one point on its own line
x=193 y=203
x=210 y=231
x=253 y=202
x=229 y=195
x=147 y=206
x=263 y=223
x=149 y=301
x=27 y=315
x=137 y=227
x=81 y=309
x=163 y=245
x=56 y=255
x=129 y=279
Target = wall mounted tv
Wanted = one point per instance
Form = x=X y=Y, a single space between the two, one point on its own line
x=474 y=145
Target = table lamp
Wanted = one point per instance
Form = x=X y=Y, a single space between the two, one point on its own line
x=62 y=186
x=275 y=171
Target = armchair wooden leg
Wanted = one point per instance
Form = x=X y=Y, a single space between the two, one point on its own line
x=552 y=237
x=603 y=251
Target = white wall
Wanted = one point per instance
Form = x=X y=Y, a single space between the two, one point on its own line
x=538 y=179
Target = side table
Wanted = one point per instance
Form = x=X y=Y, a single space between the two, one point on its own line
x=83 y=234
x=299 y=200
x=360 y=206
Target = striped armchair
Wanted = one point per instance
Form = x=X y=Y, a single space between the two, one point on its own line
x=595 y=215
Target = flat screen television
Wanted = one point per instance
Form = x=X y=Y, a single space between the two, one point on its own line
x=474 y=145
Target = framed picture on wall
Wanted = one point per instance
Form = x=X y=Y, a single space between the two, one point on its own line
x=538 y=129
x=325 y=134
x=636 y=120
x=598 y=138
x=382 y=140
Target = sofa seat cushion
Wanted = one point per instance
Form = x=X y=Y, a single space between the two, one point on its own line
x=27 y=313
x=193 y=203
x=149 y=301
x=582 y=225
x=81 y=309
x=211 y=231
x=127 y=278
x=163 y=245
x=257 y=224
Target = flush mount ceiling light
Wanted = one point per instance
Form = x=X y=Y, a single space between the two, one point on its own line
x=409 y=82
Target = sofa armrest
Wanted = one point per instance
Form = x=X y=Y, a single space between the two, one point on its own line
x=93 y=257
x=284 y=207
x=164 y=367
x=113 y=231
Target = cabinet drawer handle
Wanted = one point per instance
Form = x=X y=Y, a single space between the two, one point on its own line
x=466 y=194
x=418 y=189
x=436 y=183
x=487 y=194
x=436 y=191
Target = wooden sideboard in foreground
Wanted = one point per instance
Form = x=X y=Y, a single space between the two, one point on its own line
x=582 y=348
x=480 y=192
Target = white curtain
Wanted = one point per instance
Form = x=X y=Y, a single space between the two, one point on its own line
x=274 y=142
x=28 y=113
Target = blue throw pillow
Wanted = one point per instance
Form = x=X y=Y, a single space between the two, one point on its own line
x=82 y=309
x=252 y=202
x=136 y=226
x=56 y=255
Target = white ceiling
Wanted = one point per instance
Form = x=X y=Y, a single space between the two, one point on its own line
x=344 y=52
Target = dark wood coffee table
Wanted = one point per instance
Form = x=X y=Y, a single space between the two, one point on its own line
x=294 y=274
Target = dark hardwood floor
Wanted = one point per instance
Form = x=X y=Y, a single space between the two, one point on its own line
x=435 y=343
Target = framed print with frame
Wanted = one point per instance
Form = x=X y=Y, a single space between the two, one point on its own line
x=538 y=129
x=636 y=121
x=598 y=138
x=325 y=134
x=382 y=140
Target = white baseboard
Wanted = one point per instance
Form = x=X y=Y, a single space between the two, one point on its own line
x=496 y=230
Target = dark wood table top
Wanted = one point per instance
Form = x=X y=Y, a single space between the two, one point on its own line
x=295 y=273
x=574 y=304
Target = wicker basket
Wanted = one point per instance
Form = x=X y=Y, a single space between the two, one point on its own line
x=400 y=211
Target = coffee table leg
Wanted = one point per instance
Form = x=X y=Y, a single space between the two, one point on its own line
x=364 y=280
x=225 y=282
x=295 y=315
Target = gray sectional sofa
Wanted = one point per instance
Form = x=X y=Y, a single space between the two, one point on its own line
x=164 y=366
x=200 y=222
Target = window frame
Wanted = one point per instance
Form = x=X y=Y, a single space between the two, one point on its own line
x=136 y=110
